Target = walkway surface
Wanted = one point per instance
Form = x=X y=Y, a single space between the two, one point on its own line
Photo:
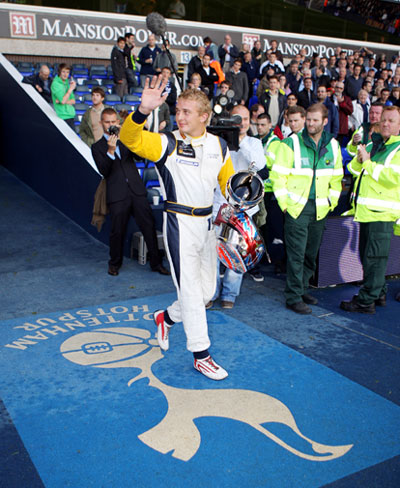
x=89 y=400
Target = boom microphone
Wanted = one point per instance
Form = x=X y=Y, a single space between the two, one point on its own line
x=155 y=22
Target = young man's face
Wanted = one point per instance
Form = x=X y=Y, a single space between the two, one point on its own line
x=189 y=119
x=97 y=99
x=236 y=67
x=165 y=73
x=121 y=44
x=224 y=89
x=64 y=74
x=273 y=84
x=206 y=61
x=315 y=123
x=296 y=122
x=152 y=40
x=130 y=40
x=263 y=127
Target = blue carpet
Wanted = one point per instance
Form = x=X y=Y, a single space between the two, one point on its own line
x=65 y=385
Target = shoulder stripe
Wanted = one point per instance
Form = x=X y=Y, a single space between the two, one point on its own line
x=224 y=147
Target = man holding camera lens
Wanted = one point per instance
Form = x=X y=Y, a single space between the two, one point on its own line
x=126 y=194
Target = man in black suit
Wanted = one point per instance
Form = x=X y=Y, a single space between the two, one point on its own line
x=306 y=97
x=126 y=195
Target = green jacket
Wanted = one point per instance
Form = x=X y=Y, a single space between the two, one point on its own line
x=270 y=144
x=303 y=171
x=376 y=194
x=58 y=89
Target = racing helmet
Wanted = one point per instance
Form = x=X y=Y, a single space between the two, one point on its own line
x=239 y=246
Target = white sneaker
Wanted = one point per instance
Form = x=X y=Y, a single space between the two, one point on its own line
x=210 y=368
x=162 y=330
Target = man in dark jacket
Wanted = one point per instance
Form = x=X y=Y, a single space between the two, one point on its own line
x=250 y=67
x=227 y=53
x=274 y=100
x=306 y=97
x=118 y=66
x=126 y=195
x=239 y=82
x=130 y=60
x=333 y=114
x=354 y=83
x=208 y=76
x=41 y=82
x=293 y=76
x=147 y=56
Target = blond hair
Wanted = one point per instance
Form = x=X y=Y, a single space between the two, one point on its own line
x=198 y=96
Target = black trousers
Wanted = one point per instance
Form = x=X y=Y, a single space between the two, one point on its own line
x=139 y=208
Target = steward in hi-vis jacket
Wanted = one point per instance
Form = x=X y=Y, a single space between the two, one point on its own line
x=306 y=178
x=376 y=205
x=273 y=229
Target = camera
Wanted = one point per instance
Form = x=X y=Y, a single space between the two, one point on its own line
x=113 y=130
x=224 y=125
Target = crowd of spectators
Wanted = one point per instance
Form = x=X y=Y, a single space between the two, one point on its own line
x=380 y=14
x=347 y=84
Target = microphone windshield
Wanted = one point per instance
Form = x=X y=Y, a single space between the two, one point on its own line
x=155 y=22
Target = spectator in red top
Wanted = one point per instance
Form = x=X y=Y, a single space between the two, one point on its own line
x=345 y=107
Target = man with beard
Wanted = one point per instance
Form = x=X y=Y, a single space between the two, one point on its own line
x=306 y=179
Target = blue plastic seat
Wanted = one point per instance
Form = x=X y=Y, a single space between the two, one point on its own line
x=112 y=99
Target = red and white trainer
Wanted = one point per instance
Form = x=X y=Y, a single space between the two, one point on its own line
x=210 y=368
x=162 y=330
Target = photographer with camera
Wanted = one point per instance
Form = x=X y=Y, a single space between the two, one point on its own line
x=126 y=194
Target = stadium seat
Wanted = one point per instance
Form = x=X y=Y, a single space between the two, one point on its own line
x=80 y=74
x=108 y=85
x=140 y=165
x=87 y=98
x=123 y=106
x=132 y=100
x=150 y=178
x=153 y=192
x=112 y=99
x=25 y=68
x=80 y=66
x=98 y=72
x=92 y=83
x=80 y=108
x=82 y=90
x=136 y=89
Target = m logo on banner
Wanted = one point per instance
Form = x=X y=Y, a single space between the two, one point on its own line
x=23 y=25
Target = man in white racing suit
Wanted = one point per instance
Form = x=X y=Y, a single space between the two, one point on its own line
x=190 y=163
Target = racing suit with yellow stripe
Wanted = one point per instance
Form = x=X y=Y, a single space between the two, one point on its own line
x=189 y=171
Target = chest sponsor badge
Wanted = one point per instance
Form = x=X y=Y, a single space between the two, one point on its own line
x=185 y=150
